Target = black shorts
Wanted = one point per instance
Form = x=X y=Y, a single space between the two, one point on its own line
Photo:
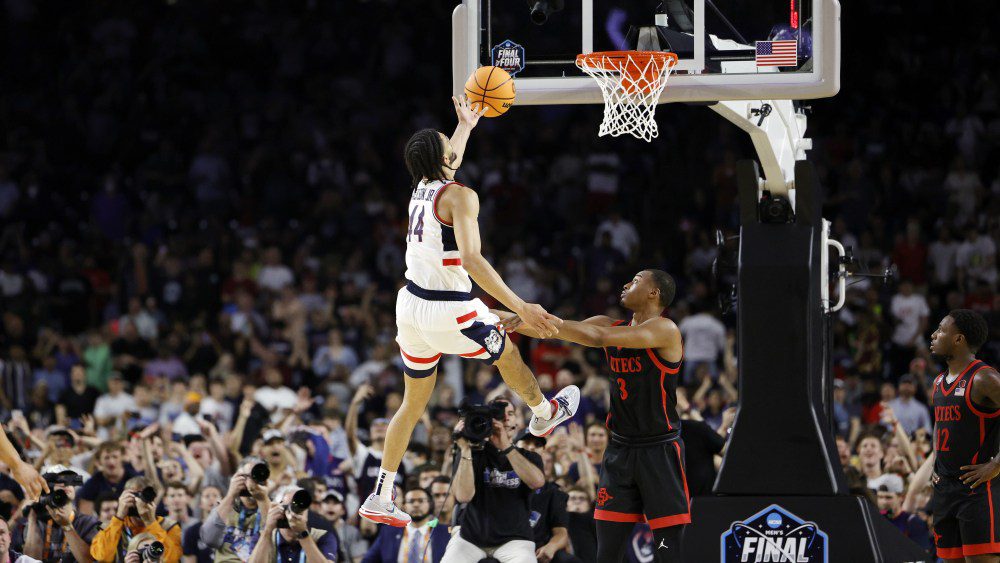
x=644 y=484
x=965 y=520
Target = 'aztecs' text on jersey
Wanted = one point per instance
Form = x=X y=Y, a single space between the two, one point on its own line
x=964 y=433
x=643 y=392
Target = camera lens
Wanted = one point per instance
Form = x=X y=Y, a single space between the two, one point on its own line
x=147 y=494
x=156 y=549
x=57 y=499
x=301 y=501
x=260 y=473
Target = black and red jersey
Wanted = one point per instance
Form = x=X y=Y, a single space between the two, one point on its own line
x=643 y=392
x=964 y=433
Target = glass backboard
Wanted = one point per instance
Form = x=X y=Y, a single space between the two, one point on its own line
x=727 y=49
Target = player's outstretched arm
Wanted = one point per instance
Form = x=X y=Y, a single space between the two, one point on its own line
x=654 y=333
x=467 y=120
x=462 y=204
x=513 y=323
x=986 y=392
x=23 y=472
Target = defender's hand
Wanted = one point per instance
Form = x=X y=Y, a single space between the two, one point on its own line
x=511 y=324
x=539 y=320
x=980 y=473
x=467 y=115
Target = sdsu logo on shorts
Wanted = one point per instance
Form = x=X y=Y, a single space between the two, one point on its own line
x=774 y=535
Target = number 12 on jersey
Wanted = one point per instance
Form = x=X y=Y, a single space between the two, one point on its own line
x=416 y=226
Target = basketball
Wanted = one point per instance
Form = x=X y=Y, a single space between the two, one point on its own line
x=492 y=86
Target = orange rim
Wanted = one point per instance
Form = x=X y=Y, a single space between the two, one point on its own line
x=641 y=71
x=614 y=60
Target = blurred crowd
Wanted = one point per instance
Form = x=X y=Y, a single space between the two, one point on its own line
x=202 y=213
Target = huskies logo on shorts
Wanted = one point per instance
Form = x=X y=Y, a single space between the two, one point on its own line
x=493 y=342
x=774 y=535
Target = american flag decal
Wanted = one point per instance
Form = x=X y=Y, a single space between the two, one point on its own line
x=777 y=53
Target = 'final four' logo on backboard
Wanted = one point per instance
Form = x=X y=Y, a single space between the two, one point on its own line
x=774 y=535
x=509 y=56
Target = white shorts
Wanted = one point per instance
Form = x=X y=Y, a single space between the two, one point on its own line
x=460 y=550
x=432 y=323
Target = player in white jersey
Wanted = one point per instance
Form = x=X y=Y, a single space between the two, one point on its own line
x=436 y=313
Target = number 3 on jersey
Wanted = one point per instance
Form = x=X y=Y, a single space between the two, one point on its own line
x=416 y=226
x=623 y=393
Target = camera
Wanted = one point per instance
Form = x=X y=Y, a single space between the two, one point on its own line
x=56 y=499
x=301 y=501
x=151 y=552
x=479 y=420
x=775 y=209
x=260 y=473
x=541 y=9
x=147 y=495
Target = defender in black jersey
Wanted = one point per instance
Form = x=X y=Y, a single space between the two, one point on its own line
x=642 y=478
x=966 y=401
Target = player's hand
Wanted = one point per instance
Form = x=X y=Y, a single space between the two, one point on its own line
x=467 y=115
x=511 y=324
x=27 y=476
x=980 y=473
x=538 y=319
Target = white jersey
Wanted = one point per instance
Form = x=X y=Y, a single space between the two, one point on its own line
x=432 y=258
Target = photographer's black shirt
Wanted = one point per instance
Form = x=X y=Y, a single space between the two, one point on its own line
x=499 y=512
x=548 y=511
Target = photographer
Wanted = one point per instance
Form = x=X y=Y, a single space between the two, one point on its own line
x=136 y=514
x=145 y=547
x=496 y=480
x=234 y=527
x=53 y=531
x=287 y=535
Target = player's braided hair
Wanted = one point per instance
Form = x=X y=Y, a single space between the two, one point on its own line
x=424 y=156
x=972 y=326
x=666 y=285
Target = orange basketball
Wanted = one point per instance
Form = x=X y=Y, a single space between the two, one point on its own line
x=492 y=86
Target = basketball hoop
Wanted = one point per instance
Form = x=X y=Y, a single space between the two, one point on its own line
x=631 y=82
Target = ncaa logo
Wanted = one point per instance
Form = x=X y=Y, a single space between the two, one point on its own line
x=774 y=535
x=508 y=56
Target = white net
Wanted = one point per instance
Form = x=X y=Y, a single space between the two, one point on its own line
x=631 y=82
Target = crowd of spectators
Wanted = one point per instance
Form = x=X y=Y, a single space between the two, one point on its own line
x=202 y=213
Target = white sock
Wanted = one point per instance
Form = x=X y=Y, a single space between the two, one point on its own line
x=383 y=486
x=542 y=410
